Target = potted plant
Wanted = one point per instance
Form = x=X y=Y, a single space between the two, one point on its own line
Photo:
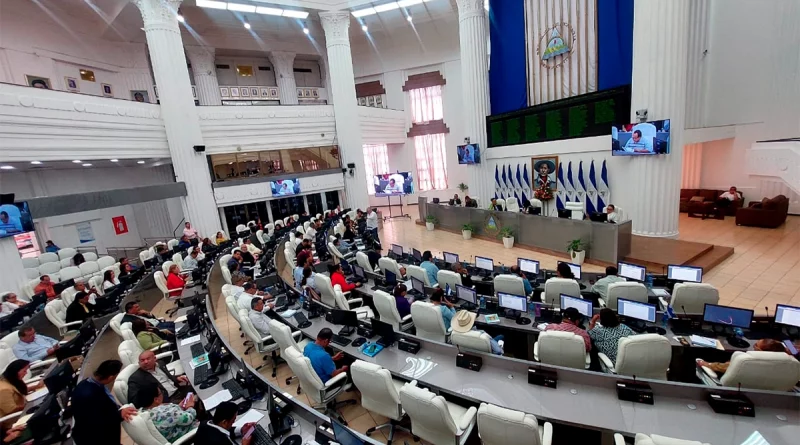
x=430 y=221
x=463 y=187
x=577 y=251
x=466 y=230
x=508 y=237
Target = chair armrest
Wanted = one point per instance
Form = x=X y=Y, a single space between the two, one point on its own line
x=406 y=319
x=618 y=439
x=266 y=339
x=73 y=323
x=663 y=302
x=42 y=363
x=160 y=347
x=335 y=384
x=165 y=355
x=297 y=335
x=547 y=433
x=355 y=302
x=602 y=302
x=606 y=362
x=467 y=418
x=186 y=438
x=174 y=290
x=710 y=373
x=12 y=416
x=33 y=380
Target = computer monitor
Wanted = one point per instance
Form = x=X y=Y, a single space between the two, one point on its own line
x=466 y=294
x=359 y=271
x=528 y=266
x=637 y=310
x=59 y=377
x=631 y=271
x=787 y=315
x=416 y=254
x=59 y=287
x=685 y=273
x=346 y=318
x=418 y=285
x=450 y=258
x=397 y=250
x=583 y=306
x=391 y=278
x=484 y=263
x=513 y=302
x=727 y=316
x=576 y=269
x=383 y=330
x=343 y=435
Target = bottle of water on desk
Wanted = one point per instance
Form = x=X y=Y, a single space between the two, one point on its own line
x=483 y=302
x=648 y=281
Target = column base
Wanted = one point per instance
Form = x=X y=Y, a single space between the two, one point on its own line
x=671 y=235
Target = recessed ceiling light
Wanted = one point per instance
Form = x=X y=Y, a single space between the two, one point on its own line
x=364 y=28
x=87 y=165
x=295 y=14
x=140 y=162
x=269 y=11
x=211 y=4
x=181 y=18
x=241 y=8
x=246 y=24
x=114 y=160
x=36 y=162
x=409 y=18
x=77 y=161
x=364 y=12
x=386 y=7
x=305 y=30
x=6 y=167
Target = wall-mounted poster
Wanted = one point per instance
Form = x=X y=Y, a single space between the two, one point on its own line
x=72 y=84
x=107 y=90
x=85 y=232
x=140 y=96
x=120 y=225
x=38 y=82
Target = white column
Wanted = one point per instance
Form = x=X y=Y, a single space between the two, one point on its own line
x=345 y=106
x=283 y=64
x=204 y=69
x=223 y=223
x=13 y=276
x=475 y=89
x=179 y=112
x=659 y=85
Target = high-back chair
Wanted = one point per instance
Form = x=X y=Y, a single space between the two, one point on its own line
x=89 y=268
x=322 y=395
x=143 y=432
x=145 y=255
x=120 y=388
x=436 y=420
x=32 y=272
x=509 y=284
x=66 y=253
x=645 y=356
x=50 y=257
x=627 y=290
x=90 y=256
x=286 y=339
x=165 y=267
x=325 y=289
x=66 y=262
x=270 y=229
x=223 y=266
x=115 y=323
x=97 y=283
x=380 y=394
x=262 y=344
x=363 y=260
x=337 y=256
x=503 y=426
x=512 y=204
x=420 y=274
x=49 y=268
x=554 y=287
x=30 y=262
x=448 y=277
x=502 y=203
x=475 y=340
x=561 y=349
x=386 y=263
x=353 y=304
x=105 y=261
x=172 y=243
x=771 y=371
x=691 y=298
x=428 y=321
x=56 y=312
x=387 y=311
x=161 y=283
x=70 y=273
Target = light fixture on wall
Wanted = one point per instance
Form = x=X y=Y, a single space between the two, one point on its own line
x=364 y=28
x=114 y=160
x=409 y=18
x=36 y=162
x=87 y=165
x=305 y=29
x=140 y=162
x=246 y=24
x=6 y=167
x=181 y=18
x=77 y=161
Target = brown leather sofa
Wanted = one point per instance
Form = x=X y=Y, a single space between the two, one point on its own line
x=708 y=196
x=768 y=213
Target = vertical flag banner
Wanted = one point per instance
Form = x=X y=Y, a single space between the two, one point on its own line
x=570 y=184
x=496 y=180
x=604 y=192
x=592 y=187
x=580 y=185
x=562 y=188
x=525 y=176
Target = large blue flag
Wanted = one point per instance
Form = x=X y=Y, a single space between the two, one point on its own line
x=496 y=177
x=588 y=204
x=525 y=176
x=519 y=177
x=561 y=185
x=505 y=184
x=570 y=183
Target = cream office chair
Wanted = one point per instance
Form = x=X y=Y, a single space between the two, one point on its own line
x=380 y=394
x=554 y=287
x=428 y=321
x=286 y=339
x=129 y=351
x=561 y=349
x=90 y=256
x=66 y=253
x=502 y=426
x=645 y=356
x=448 y=277
x=31 y=273
x=512 y=204
x=387 y=311
x=363 y=260
x=655 y=439
x=165 y=267
x=27 y=288
x=66 y=262
x=49 y=268
x=501 y=202
x=420 y=274
x=143 y=432
x=386 y=263
x=70 y=273
x=7 y=356
x=97 y=283
x=56 y=312
x=337 y=256
x=623 y=289
x=691 y=297
x=161 y=283
x=262 y=237
x=305 y=226
x=145 y=255
x=120 y=388
x=68 y=294
x=50 y=257
x=436 y=420
x=30 y=262
x=116 y=322
x=172 y=243
x=322 y=395
x=105 y=261
x=475 y=340
x=9 y=340
x=353 y=304
x=223 y=266
x=286 y=221
x=270 y=230
x=325 y=289
x=509 y=284
x=89 y=269
x=771 y=371
x=262 y=344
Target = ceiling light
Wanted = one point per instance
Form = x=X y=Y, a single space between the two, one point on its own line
x=269 y=11
x=246 y=24
x=6 y=167
x=36 y=162
x=407 y=3
x=114 y=160
x=364 y=28
x=87 y=165
x=409 y=19
x=241 y=8
x=77 y=161
x=386 y=7
x=181 y=18
x=211 y=4
x=364 y=12
x=140 y=162
x=295 y=14
x=305 y=30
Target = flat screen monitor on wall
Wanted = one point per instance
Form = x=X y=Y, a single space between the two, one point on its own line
x=15 y=219
x=642 y=139
x=469 y=154
x=390 y=184
x=285 y=187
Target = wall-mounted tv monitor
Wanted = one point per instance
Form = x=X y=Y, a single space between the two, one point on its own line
x=469 y=154
x=285 y=187
x=390 y=184
x=642 y=139
x=15 y=219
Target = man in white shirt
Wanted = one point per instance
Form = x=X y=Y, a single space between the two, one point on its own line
x=190 y=262
x=372 y=222
x=258 y=318
x=151 y=373
x=601 y=286
x=251 y=292
x=189 y=232
x=612 y=215
x=311 y=232
x=393 y=187
x=728 y=197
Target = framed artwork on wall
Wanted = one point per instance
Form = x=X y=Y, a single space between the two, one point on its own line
x=107 y=90
x=544 y=172
x=265 y=92
x=194 y=92
x=224 y=91
x=245 y=92
x=371 y=101
x=315 y=92
x=72 y=84
x=140 y=96
x=254 y=92
x=234 y=91
x=155 y=91
x=38 y=82
x=379 y=101
x=362 y=101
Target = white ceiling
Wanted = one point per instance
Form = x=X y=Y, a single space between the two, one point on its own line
x=96 y=163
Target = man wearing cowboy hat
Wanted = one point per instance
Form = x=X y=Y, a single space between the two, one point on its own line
x=464 y=322
x=547 y=174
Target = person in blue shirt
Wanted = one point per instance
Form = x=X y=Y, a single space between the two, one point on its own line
x=429 y=267
x=184 y=243
x=32 y=347
x=638 y=145
x=321 y=361
x=445 y=307
x=525 y=282
x=51 y=247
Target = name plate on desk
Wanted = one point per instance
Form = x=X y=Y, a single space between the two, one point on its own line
x=731 y=403
x=471 y=362
x=635 y=392
x=542 y=377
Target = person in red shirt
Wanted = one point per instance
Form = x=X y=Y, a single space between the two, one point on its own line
x=175 y=281
x=337 y=277
x=46 y=286
x=570 y=321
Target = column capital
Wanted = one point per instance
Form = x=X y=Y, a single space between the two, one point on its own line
x=470 y=8
x=282 y=62
x=159 y=12
x=202 y=58
x=336 y=25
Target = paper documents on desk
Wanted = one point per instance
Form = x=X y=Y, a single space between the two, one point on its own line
x=251 y=416
x=417 y=367
x=181 y=319
x=189 y=340
x=36 y=395
x=660 y=292
x=213 y=401
x=289 y=313
x=23 y=420
x=698 y=340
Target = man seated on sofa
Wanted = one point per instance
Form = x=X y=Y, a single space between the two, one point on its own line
x=727 y=198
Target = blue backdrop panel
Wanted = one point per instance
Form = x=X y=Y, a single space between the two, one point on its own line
x=508 y=86
x=614 y=42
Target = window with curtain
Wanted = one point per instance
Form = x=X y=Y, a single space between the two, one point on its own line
x=426 y=104
x=431 y=161
x=376 y=161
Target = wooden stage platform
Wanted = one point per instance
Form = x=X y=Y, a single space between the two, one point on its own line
x=657 y=253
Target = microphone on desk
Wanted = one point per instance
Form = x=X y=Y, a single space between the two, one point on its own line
x=684 y=311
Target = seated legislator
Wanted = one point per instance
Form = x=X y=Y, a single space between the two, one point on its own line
x=600 y=287
x=45 y=285
x=495 y=206
x=32 y=346
x=172 y=420
x=337 y=277
x=456 y=200
x=80 y=309
x=445 y=307
x=607 y=334
x=220 y=238
x=254 y=237
x=637 y=144
x=97 y=414
x=611 y=214
x=109 y=280
x=525 y=282
x=308 y=279
x=152 y=374
x=11 y=303
x=249 y=293
x=184 y=243
x=767 y=344
x=190 y=262
x=304 y=245
x=190 y=232
x=563 y=271
x=303 y=260
x=402 y=303
x=321 y=361
x=727 y=198
x=466 y=279
x=164 y=329
x=175 y=281
x=147 y=339
x=464 y=322
x=258 y=318
x=219 y=430
x=469 y=202
x=570 y=322
x=13 y=388
x=429 y=267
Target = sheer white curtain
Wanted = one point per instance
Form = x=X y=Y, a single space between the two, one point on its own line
x=426 y=104
x=376 y=161
x=431 y=165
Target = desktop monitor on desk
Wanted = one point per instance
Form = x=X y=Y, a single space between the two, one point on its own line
x=528 y=266
x=727 y=316
x=636 y=310
x=397 y=250
x=583 y=306
x=385 y=331
x=685 y=273
x=631 y=271
x=343 y=435
x=576 y=269
x=466 y=294
x=418 y=285
x=59 y=287
x=484 y=263
x=416 y=254
x=450 y=258
x=359 y=271
x=349 y=319
x=787 y=315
